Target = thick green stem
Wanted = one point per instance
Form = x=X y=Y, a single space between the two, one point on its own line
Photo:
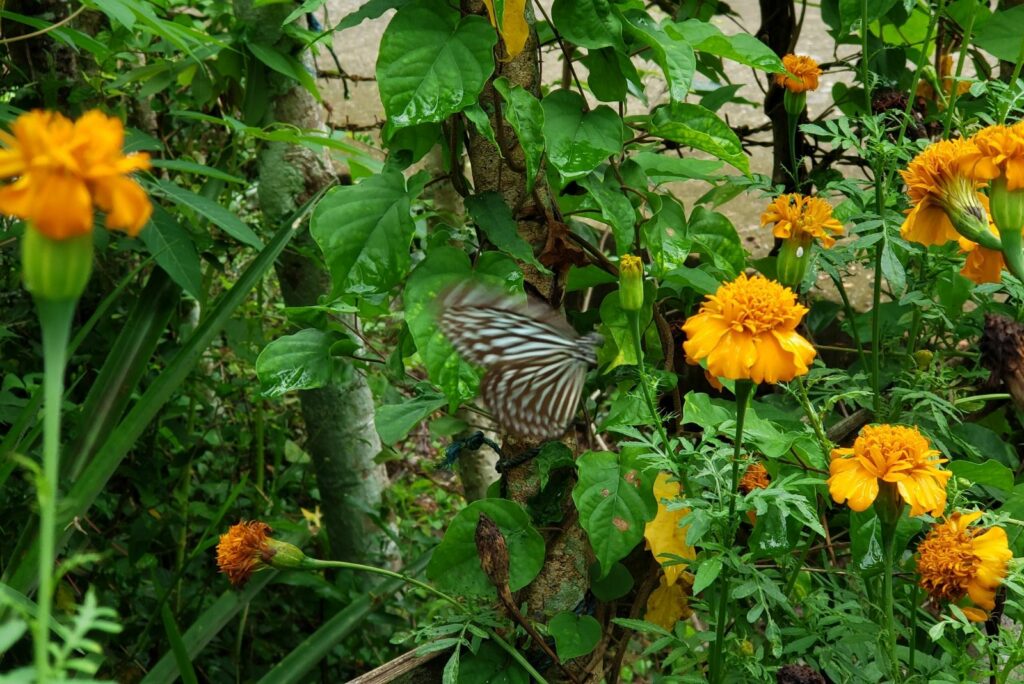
x=889 y=541
x=876 y=301
x=55 y=321
x=744 y=389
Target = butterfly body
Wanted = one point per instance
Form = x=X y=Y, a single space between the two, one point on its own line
x=536 y=363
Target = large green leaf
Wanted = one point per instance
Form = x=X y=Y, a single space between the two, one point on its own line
x=574 y=635
x=852 y=11
x=296 y=362
x=1001 y=34
x=395 y=420
x=671 y=52
x=587 y=23
x=740 y=47
x=665 y=234
x=455 y=565
x=526 y=116
x=432 y=64
x=364 y=231
x=715 y=238
x=172 y=247
x=990 y=473
x=615 y=207
x=700 y=128
x=579 y=140
x=613 y=504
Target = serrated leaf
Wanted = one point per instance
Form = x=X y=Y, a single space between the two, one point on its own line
x=174 y=250
x=574 y=635
x=455 y=563
x=699 y=128
x=432 y=63
x=612 y=504
x=364 y=232
x=579 y=140
x=296 y=362
x=525 y=115
x=893 y=270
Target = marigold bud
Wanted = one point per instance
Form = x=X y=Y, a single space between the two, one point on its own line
x=631 y=283
x=55 y=270
x=791 y=263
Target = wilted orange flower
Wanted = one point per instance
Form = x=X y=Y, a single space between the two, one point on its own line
x=982 y=265
x=803 y=74
x=64 y=169
x=955 y=560
x=755 y=477
x=941 y=194
x=998 y=151
x=242 y=550
x=802 y=218
x=747 y=330
x=894 y=454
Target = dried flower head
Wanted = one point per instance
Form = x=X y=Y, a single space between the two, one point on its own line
x=755 y=477
x=889 y=454
x=747 y=330
x=803 y=74
x=956 y=560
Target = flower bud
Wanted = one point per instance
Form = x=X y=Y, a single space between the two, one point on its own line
x=55 y=270
x=791 y=263
x=282 y=555
x=794 y=102
x=631 y=283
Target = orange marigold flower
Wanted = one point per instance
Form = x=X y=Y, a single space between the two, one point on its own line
x=64 y=169
x=998 y=151
x=956 y=560
x=803 y=74
x=802 y=218
x=893 y=454
x=747 y=330
x=755 y=477
x=243 y=549
x=941 y=194
x=982 y=265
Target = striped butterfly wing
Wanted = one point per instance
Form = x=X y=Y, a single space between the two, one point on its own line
x=536 y=363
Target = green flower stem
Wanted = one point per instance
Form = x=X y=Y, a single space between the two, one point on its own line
x=744 y=390
x=1013 y=252
x=791 y=121
x=889 y=541
x=876 y=302
x=55 y=322
x=951 y=104
x=981 y=397
x=317 y=564
x=634 y=327
x=813 y=417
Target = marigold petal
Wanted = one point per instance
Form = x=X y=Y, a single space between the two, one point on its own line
x=34 y=198
x=928 y=224
x=125 y=202
x=733 y=356
x=851 y=483
x=974 y=614
x=704 y=332
x=1015 y=173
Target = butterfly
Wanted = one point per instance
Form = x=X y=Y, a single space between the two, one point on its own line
x=536 y=363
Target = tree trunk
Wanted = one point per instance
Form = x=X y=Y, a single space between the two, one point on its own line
x=778 y=31
x=340 y=434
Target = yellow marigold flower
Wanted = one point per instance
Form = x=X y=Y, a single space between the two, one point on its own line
x=803 y=74
x=982 y=265
x=955 y=560
x=755 y=477
x=747 y=330
x=941 y=194
x=802 y=218
x=998 y=151
x=247 y=547
x=892 y=454
x=64 y=169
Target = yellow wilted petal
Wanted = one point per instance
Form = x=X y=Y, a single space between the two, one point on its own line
x=513 y=27
x=663 y=534
x=667 y=604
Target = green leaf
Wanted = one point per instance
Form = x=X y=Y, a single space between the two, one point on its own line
x=211 y=211
x=296 y=362
x=613 y=506
x=661 y=168
x=665 y=234
x=670 y=51
x=579 y=140
x=368 y=10
x=395 y=420
x=455 y=565
x=490 y=212
x=286 y=65
x=493 y=665
x=740 y=47
x=698 y=408
x=892 y=269
x=587 y=23
x=1001 y=34
x=616 y=584
x=701 y=129
x=605 y=78
x=174 y=250
x=1014 y=507
x=707 y=572
x=478 y=117
x=615 y=207
x=199 y=169
x=852 y=11
x=715 y=238
x=575 y=635
x=866 y=539
x=615 y=324
x=431 y=63
x=526 y=116
x=364 y=232
x=990 y=473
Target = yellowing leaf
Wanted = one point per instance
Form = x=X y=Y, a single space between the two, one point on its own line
x=663 y=534
x=512 y=25
x=667 y=604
